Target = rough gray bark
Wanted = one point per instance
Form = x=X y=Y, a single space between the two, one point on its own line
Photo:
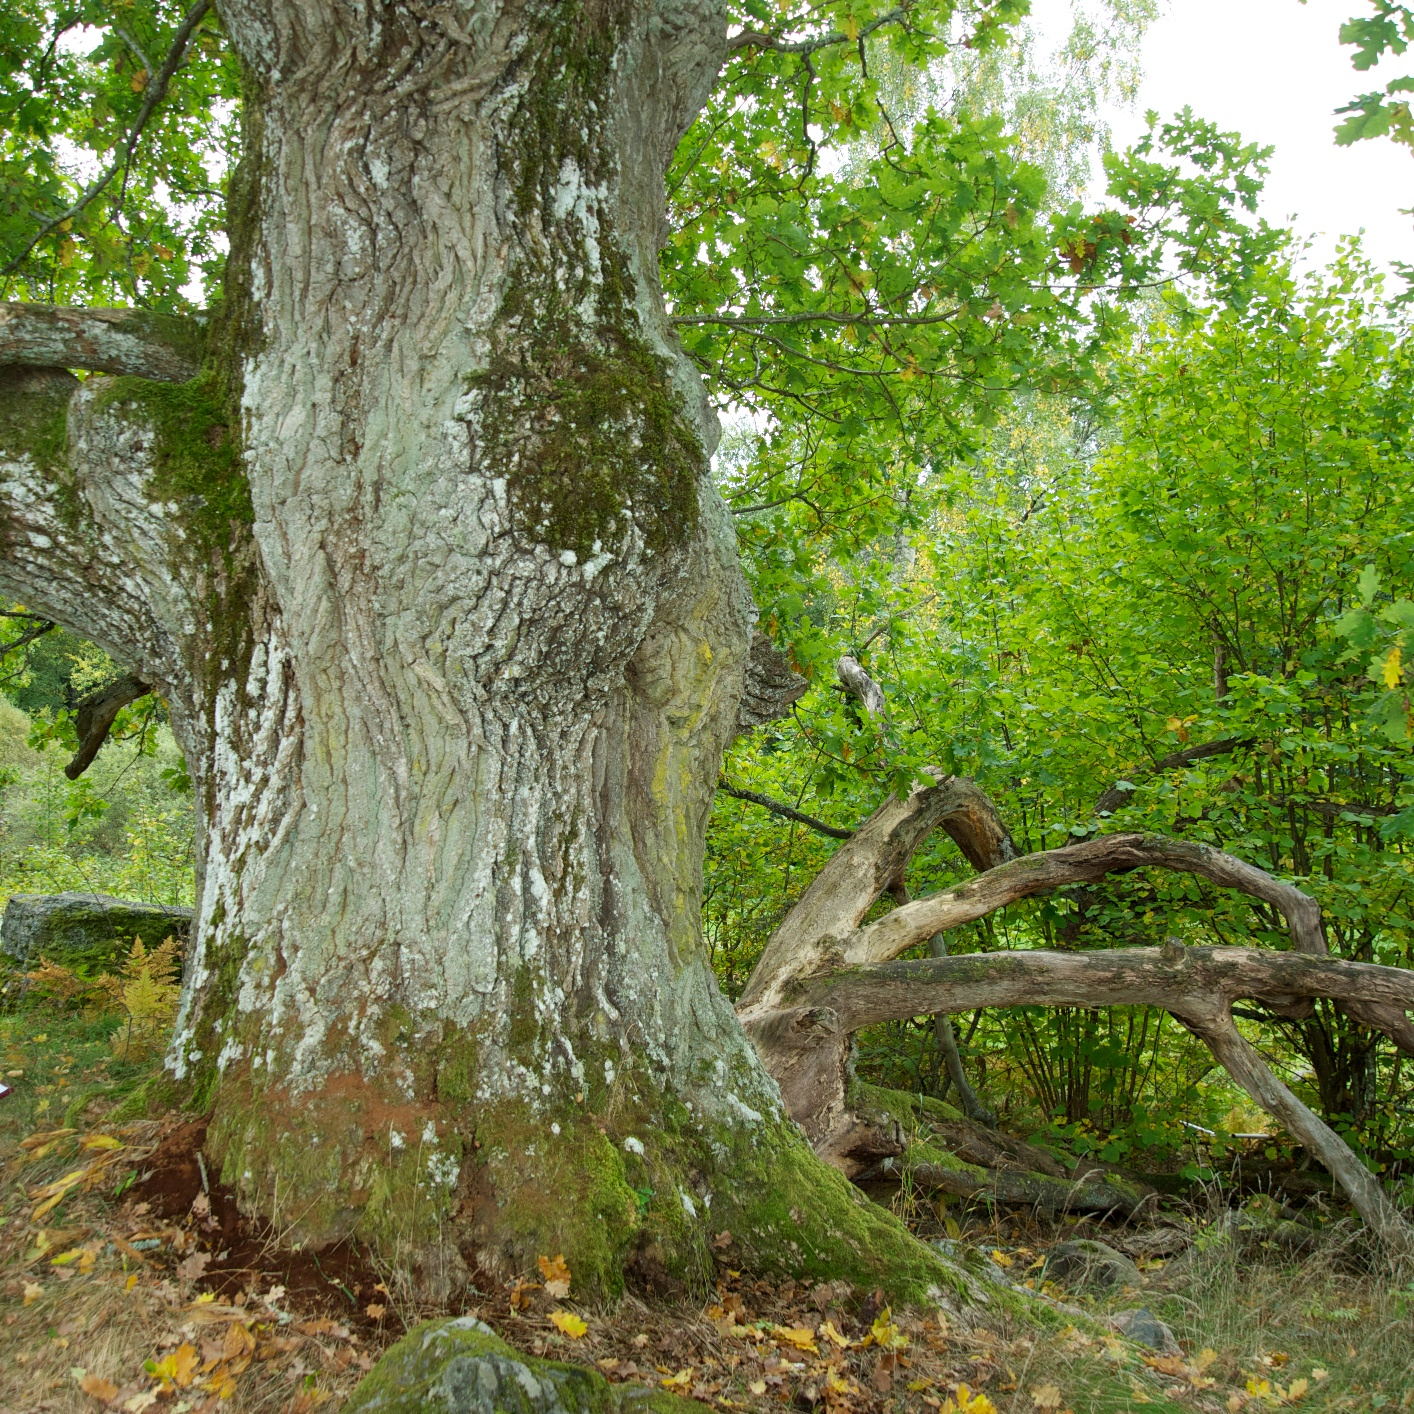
x=430 y=570
x=133 y=341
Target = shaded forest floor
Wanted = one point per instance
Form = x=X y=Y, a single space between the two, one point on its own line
x=128 y=1282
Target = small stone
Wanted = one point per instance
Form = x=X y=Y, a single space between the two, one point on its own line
x=1143 y=1327
x=1085 y=1262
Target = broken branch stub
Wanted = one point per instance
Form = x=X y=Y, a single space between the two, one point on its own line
x=95 y=717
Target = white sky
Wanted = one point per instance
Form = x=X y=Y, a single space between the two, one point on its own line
x=1275 y=71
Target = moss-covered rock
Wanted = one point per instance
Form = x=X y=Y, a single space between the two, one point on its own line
x=460 y=1366
x=89 y=933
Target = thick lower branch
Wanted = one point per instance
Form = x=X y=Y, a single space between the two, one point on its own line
x=1032 y=1190
x=157 y=346
x=1171 y=977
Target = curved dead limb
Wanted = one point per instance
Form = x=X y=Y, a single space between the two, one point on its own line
x=157 y=346
x=1086 y=862
x=1241 y=1061
x=863 y=868
x=1198 y=985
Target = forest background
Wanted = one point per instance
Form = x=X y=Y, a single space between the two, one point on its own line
x=1195 y=534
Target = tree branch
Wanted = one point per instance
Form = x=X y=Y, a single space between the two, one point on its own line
x=162 y=347
x=1086 y=862
x=1250 y=1071
x=857 y=873
x=156 y=92
x=1119 y=793
x=1174 y=977
x=786 y=812
x=859 y=684
x=758 y=39
x=95 y=717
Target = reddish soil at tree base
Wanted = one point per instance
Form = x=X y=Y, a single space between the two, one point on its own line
x=247 y=1255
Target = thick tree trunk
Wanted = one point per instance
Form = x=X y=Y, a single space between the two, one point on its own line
x=430 y=569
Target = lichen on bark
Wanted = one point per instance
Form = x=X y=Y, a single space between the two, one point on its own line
x=574 y=408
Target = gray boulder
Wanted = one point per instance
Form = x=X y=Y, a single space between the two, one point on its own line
x=459 y=1366
x=1143 y=1327
x=90 y=933
x=1088 y=1263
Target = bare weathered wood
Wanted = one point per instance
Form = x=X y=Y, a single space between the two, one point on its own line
x=95 y=717
x=1086 y=862
x=162 y=347
x=1169 y=977
x=1241 y=1061
x=857 y=682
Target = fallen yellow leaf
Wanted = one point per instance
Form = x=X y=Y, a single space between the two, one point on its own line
x=965 y=1402
x=1046 y=1397
x=556 y=1274
x=833 y=1336
x=885 y=1334
x=1001 y=1258
x=799 y=1336
x=568 y=1323
x=757 y=1386
x=33 y=1291
x=680 y=1381
x=1204 y=1358
x=1297 y=1388
x=1319 y=1374
x=374 y=1311
x=99 y=1388
x=100 y=1141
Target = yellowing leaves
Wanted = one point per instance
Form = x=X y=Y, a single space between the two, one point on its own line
x=798 y=1336
x=1393 y=669
x=103 y=1390
x=178 y=1368
x=567 y=1323
x=966 y=1402
x=884 y=1333
x=556 y=1275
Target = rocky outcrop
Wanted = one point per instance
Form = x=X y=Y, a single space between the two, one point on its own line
x=87 y=932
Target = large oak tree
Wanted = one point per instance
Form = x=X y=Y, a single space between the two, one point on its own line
x=414 y=532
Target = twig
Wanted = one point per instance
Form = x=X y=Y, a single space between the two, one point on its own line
x=786 y=812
